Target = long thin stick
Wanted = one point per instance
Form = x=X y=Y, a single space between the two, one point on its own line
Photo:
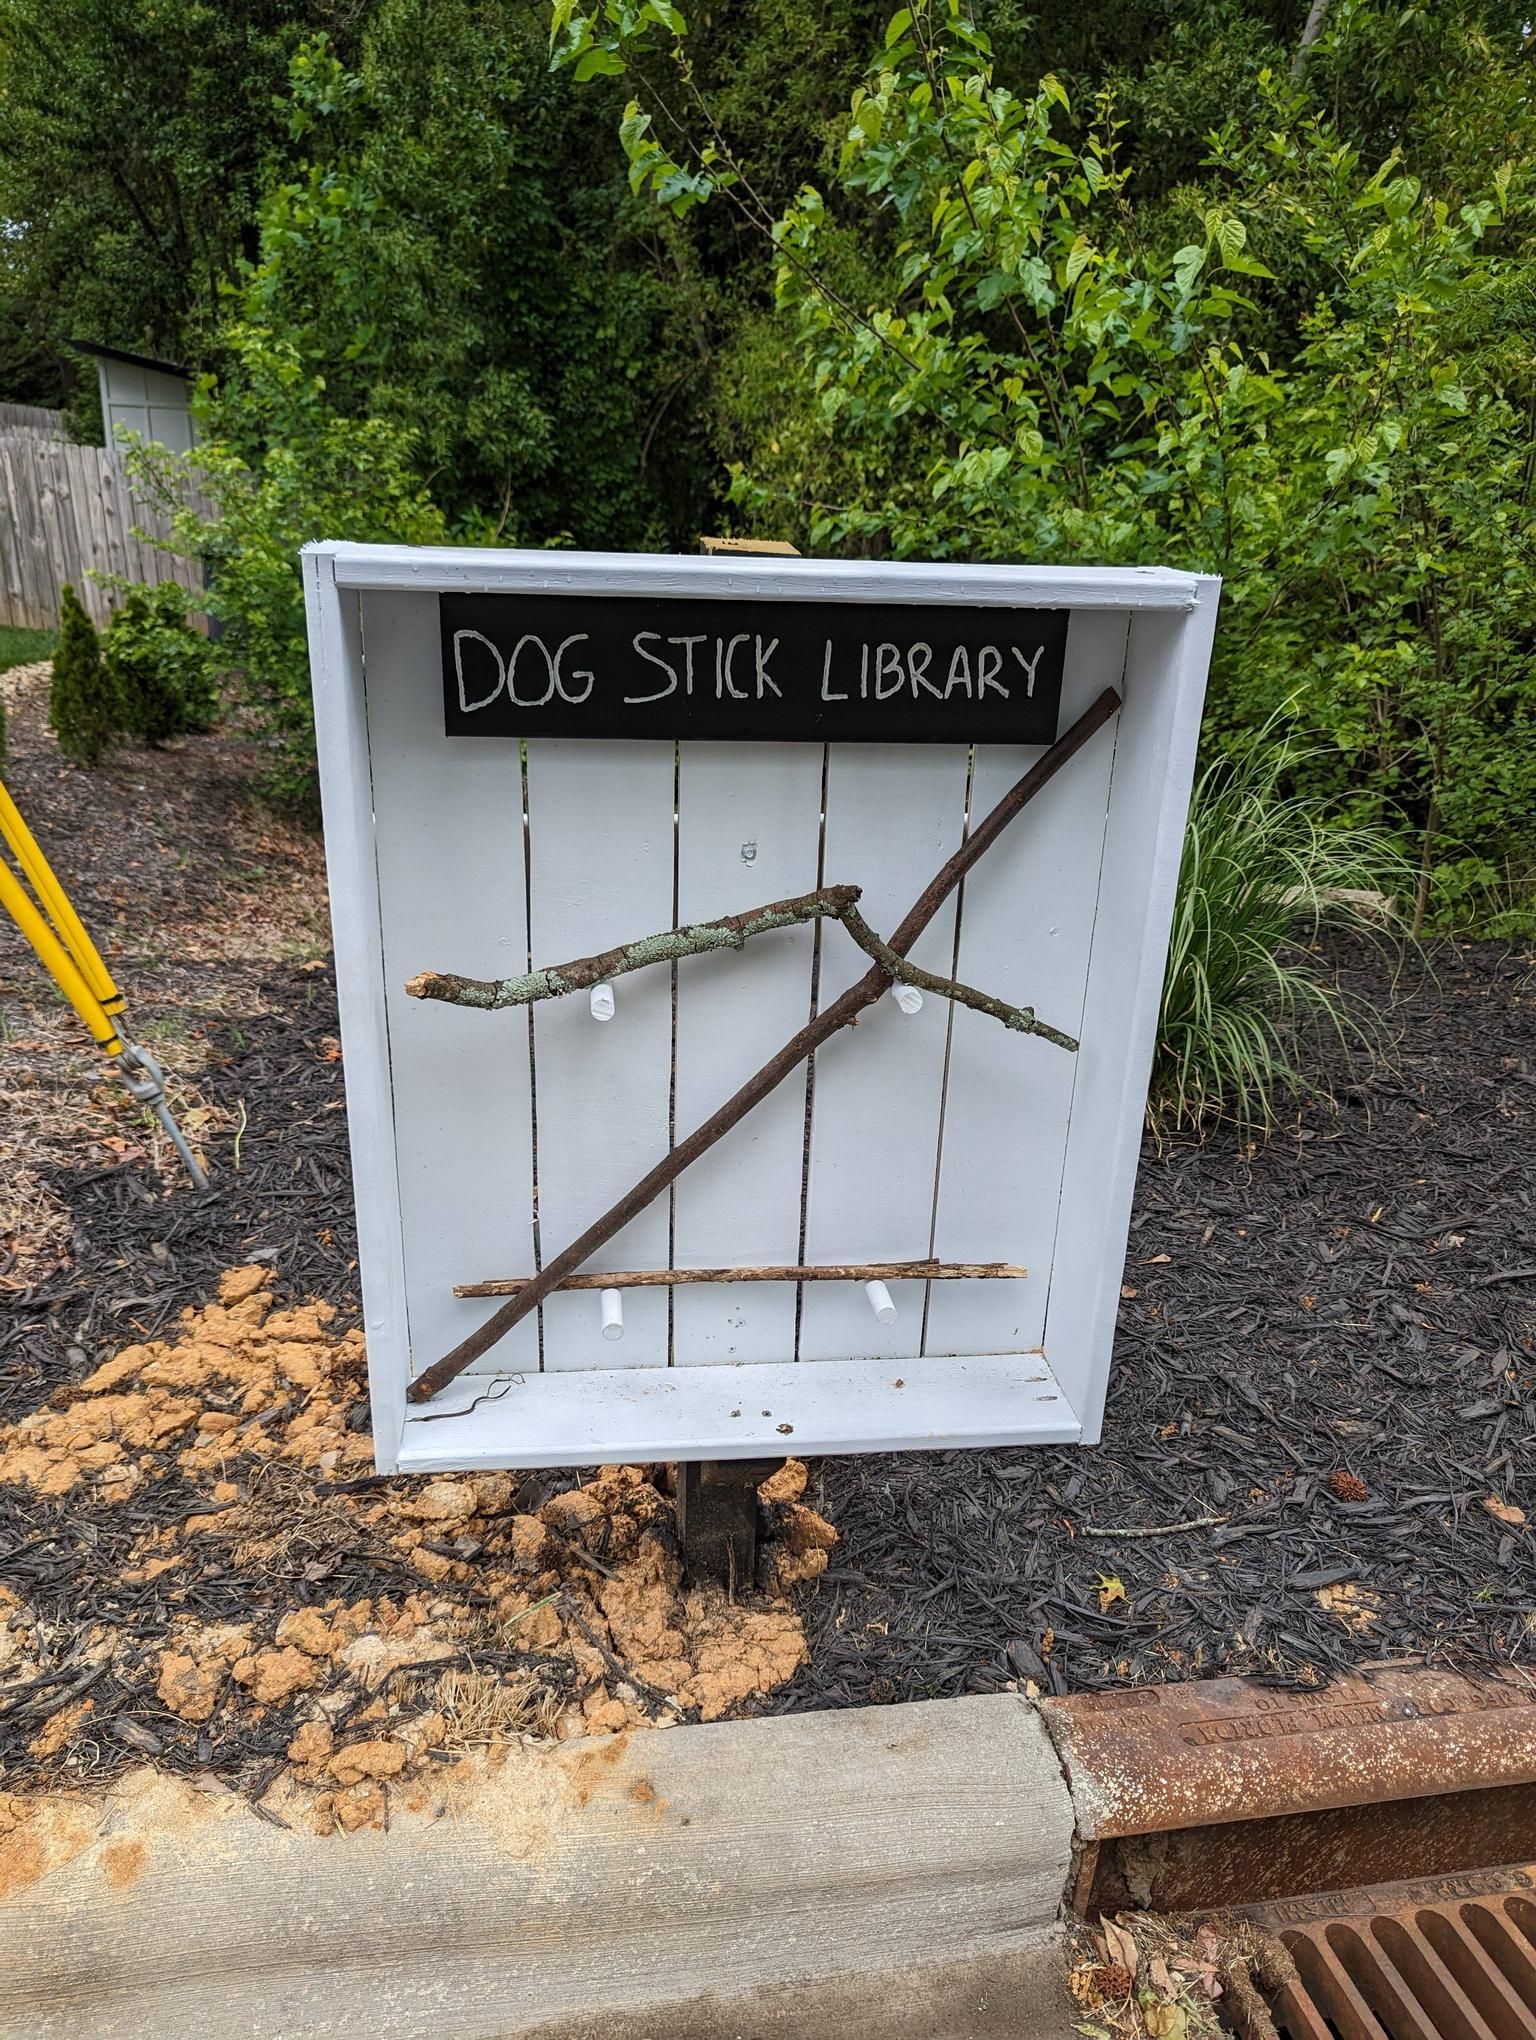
x=838 y=1015
x=821 y=1271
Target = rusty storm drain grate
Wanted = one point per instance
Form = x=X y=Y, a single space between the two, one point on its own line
x=1444 y=1958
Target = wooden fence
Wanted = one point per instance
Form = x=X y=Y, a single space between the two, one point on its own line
x=32 y=418
x=64 y=511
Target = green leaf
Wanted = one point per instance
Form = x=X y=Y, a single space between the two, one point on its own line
x=598 y=62
x=1187 y=265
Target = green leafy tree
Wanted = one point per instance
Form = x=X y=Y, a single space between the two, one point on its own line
x=81 y=707
x=133 y=143
x=458 y=255
x=323 y=476
x=1017 y=363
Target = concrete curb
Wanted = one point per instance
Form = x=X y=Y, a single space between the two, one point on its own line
x=892 y=1870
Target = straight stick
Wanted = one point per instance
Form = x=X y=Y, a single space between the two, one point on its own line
x=820 y=1271
x=841 y=1013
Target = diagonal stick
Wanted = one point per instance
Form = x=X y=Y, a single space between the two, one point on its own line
x=841 y=1013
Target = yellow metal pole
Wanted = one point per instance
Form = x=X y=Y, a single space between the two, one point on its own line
x=67 y=922
x=61 y=966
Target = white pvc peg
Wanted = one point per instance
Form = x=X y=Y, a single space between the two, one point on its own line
x=613 y=1314
x=881 y=1303
x=602 y=1009
x=909 y=998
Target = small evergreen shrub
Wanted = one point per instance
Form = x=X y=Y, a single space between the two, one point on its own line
x=159 y=668
x=80 y=704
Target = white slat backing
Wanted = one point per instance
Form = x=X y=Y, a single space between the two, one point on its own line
x=894 y=814
x=449 y=836
x=749 y=831
x=1026 y=927
x=600 y=833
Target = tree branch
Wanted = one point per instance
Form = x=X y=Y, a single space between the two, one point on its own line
x=1020 y=1018
x=731 y=931
x=1315 y=22
x=821 y=1271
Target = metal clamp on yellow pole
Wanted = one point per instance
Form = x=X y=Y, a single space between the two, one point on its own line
x=72 y=960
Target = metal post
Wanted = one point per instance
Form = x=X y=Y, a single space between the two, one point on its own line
x=717 y=1519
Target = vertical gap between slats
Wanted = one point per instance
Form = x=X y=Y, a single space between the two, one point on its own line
x=1432 y=1982
x=677 y=845
x=810 y=1064
x=533 y=1070
x=949 y=1042
x=1383 y=1986
x=1496 y=1936
x=1474 y=1970
x=1330 y=1986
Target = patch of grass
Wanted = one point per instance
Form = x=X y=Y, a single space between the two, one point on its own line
x=23 y=647
x=483 y=1709
x=1245 y=997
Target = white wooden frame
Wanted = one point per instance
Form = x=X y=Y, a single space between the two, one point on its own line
x=432 y=1087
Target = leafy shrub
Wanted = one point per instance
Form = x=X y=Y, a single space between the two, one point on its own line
x=281 y=470
x=1260 y=878
x=80 y=701
x=1324 y=394
x=159 y=668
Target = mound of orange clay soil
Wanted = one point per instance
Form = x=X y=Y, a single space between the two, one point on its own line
x=207 y=1574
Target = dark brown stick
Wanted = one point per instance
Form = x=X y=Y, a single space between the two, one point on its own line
x=822 y=1271
x=838 y=1015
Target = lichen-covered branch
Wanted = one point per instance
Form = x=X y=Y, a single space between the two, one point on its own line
x=1020 y=1018
x=730 y=931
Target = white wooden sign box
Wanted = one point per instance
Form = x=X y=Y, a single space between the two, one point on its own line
x=483 y=1142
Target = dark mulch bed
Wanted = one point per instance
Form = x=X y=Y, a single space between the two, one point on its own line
x=1345 y=1302
x=1336 y=1303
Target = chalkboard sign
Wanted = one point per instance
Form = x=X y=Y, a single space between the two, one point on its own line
x=814 y=672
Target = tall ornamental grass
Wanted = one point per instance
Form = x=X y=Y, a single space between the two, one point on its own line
x=1247 y=1005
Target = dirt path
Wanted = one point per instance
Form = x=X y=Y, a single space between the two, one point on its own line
x=196 y=897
